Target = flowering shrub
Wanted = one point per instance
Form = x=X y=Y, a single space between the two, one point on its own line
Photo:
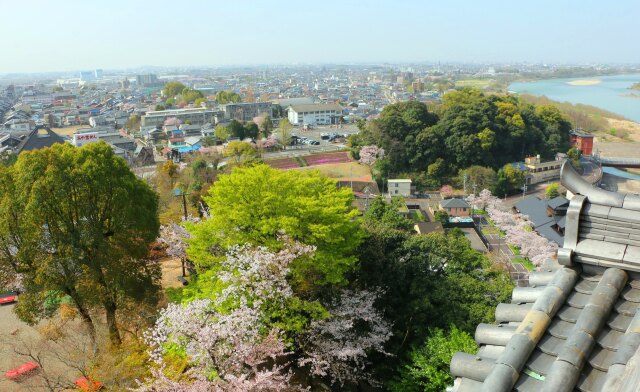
x=517 y=228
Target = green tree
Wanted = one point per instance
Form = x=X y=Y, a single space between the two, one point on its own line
x=172 y=89
x=437 y=170
x=191 y=95
x=502 y=184
x=251 y=130
x=552 y=190
x=481 y=177
x=284 y=129
x=160 y=107
x=255 y=204
x=222 y=132
x=239 y=150
x=266 y=126
x=515 y=177
x=224 y=97
x=430 y=281
x=77 y=223
x=575 y=154
x=208 y=141
x=441 y=216
x=199 y=101
x=133 y=123
x=237 y=129
x=428 y=367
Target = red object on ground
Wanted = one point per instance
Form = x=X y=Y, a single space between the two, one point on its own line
x=21 y=370
x=8 y=300
x=88 y=385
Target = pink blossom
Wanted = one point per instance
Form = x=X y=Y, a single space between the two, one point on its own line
x=517 y=228
x=370 y=154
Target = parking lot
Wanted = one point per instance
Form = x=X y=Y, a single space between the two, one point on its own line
x=315 y=133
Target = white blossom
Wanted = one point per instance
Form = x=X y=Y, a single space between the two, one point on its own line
x=338 y=347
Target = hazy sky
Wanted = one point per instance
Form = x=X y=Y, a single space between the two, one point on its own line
x=48 y=35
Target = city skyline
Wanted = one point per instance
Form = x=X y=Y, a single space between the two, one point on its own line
x=78 y=35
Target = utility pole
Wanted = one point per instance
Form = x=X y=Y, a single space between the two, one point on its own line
x=178 y=192
x=464 y=180
x=524 y=189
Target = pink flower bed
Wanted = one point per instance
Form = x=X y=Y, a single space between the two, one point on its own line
x=283 y=164
x=323 y=159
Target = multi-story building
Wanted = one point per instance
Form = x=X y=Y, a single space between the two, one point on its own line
x=315 y=114
x=541 y=171
x=199 y=116
x=246 y=111
x=87 y=76
x=148 y=80
x=582 y=141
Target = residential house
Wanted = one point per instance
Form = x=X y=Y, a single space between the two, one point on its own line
x=455 y=207
x=547 y=216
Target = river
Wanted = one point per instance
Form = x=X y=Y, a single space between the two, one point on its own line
x=611 y=93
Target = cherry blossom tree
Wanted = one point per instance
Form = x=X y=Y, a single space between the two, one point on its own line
x=446 y=191
x=226 y=335
x=338 y=347
x=370 y=154
x=517 y=228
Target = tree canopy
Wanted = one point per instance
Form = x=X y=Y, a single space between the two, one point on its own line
x=76 y=222
x=224 y=97
x=256 y=204
x=174 y=88
x=468 y=128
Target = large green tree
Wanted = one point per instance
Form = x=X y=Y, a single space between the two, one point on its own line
x=430 y=280
x=172 y=89
x=428 y=367
x=469 y=128
x=257 y=204
x=76 y=223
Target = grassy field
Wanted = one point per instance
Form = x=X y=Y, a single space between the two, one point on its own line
x=343 y=171
x=68 y=131
x=475 y=83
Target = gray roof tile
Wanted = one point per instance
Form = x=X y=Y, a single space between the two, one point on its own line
x=591 y=302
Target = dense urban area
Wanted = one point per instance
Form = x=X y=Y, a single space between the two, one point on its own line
x=290 y=228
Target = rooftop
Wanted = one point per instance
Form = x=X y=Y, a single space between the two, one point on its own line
x=454 y=203
x=316 y=107
x=577 y=325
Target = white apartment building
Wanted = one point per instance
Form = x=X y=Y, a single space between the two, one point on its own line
x=314 y=114
x=399 y=187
